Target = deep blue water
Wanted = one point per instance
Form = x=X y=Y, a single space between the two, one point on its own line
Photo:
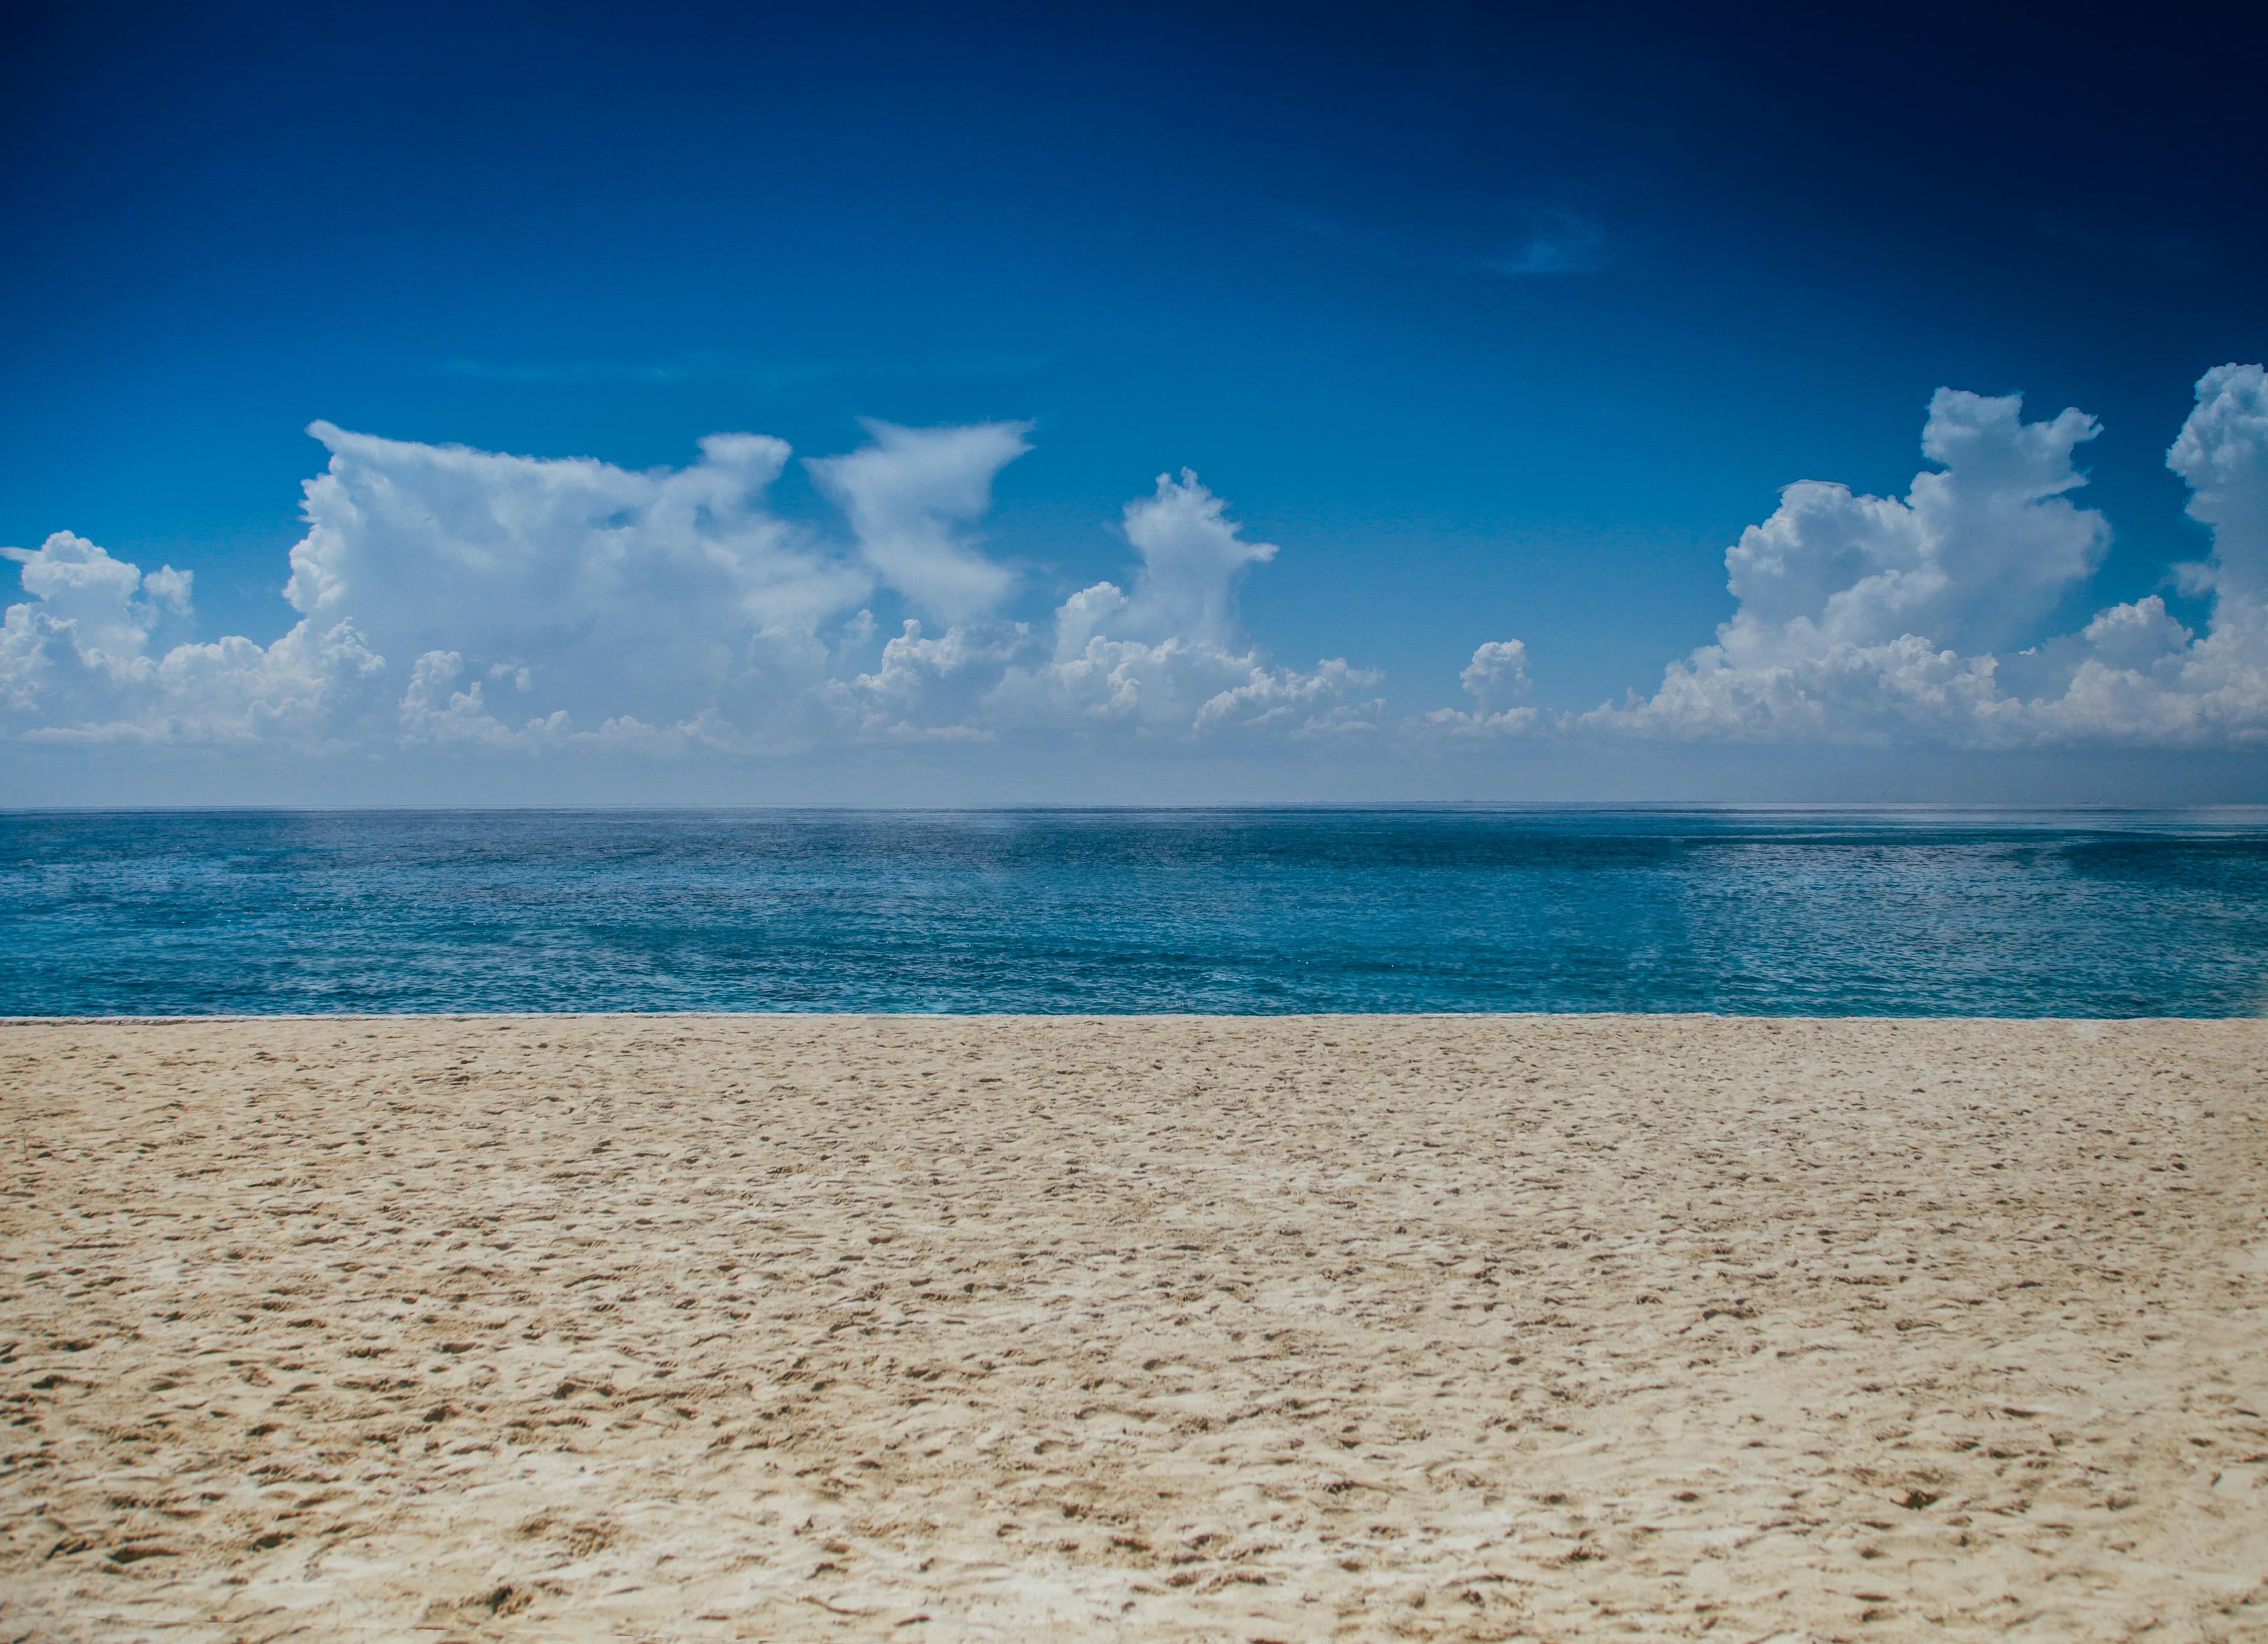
x=1797 y=912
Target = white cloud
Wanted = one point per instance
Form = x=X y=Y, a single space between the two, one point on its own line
x=1870 y=619
x=109 y=606
x=933 y=689
x=1168 y=661
x=1971 y=558
x=912 y=498
x=433 y=710
x=1192 y=557
x=466 y=600
x=658 y=595
x=1497 y=680
x=1170 y=658
x=77 y=665
x=453 y=600
x=2223 y=454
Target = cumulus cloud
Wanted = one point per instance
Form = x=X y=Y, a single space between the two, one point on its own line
x=913 y=497
x=1497 y=680
x=1874 y=619
x=1971 y=557
x=451 y=598
x=77 y=661
x=655 y=596
x=1192 y=556
x=1167 y=660
x=2223 y=454
x=1170 y=656
x=107 y=606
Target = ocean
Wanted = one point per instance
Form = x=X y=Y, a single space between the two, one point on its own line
x=1778 y=912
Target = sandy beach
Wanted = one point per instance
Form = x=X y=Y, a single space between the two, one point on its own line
x=1176 y=1328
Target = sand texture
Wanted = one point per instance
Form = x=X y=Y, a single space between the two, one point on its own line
x=1134 y=1329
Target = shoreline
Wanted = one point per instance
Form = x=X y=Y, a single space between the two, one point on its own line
x=226 y=1017
x=1458 y=1326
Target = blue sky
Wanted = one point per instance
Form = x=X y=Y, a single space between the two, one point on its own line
x=1500 y=325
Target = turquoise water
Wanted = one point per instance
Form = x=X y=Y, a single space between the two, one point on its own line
x=1783 y=911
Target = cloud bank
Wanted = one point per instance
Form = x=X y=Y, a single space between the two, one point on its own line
x=449 y=599
x=456 y=598
x=1874 y=619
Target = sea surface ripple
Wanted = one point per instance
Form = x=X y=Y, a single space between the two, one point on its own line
x=1782 y=911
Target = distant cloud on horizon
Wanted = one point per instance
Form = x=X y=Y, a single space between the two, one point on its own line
x=455 y=598
x=451 y=598
x=1874 y=619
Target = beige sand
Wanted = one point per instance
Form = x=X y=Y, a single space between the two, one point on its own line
x=1391 y=1327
